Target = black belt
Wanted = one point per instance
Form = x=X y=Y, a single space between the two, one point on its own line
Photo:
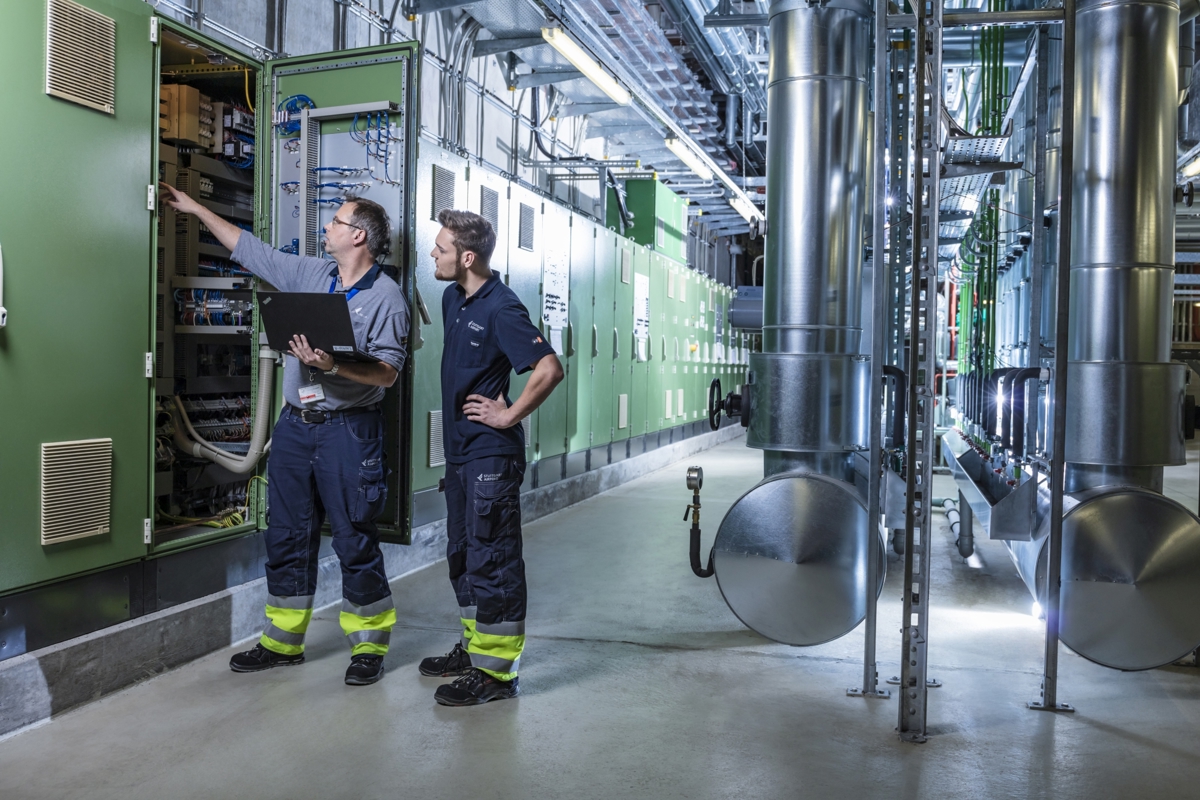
x=314 y=417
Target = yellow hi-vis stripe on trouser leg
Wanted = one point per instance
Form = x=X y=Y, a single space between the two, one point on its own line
x=287 y=622
x=496 y=648
x=369 y=627
x=466 y=615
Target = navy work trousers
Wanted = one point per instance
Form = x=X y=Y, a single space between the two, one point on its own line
x=331 y=469
x=483 y=525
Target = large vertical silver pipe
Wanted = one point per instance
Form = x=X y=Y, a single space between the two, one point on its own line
x=1130 y=557
x=810 y=382
x=1125 y=397
x=791 y=556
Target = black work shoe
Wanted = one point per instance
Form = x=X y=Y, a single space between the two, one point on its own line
x=364 y=670
x=475 y=687
x=456 y=662
x=259 y=658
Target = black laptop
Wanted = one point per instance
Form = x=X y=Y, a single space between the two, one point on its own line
x=323 y=318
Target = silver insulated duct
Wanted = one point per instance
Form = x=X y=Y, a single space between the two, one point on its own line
x=791 y=555
x=1131 y=557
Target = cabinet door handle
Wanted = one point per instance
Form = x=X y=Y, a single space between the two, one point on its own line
x=3 y=310
x=595 y=342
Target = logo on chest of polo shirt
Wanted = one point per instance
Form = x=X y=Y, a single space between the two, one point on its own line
x=475 y=326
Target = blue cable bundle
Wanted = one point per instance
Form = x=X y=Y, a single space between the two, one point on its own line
x=288 y=112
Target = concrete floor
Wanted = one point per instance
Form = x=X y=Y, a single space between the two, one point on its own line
x=639 y=682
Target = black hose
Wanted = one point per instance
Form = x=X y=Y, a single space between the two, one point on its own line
x=694 y=550
x=1015 y=439
x=537 y=131
x=622 y=211
x=899 y=401
x=707 y=572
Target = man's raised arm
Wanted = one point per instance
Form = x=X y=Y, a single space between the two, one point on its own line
x=226 y=232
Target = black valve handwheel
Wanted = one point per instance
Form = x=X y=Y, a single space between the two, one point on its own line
x=715 y=404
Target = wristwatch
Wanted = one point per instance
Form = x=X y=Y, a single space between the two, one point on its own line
x=332 y=371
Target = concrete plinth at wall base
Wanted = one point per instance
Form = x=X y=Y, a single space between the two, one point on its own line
x=39 y=685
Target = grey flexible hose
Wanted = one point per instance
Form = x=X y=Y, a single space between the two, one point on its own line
x=198 y=447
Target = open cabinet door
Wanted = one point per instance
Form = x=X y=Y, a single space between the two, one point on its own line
x=347 y=123
x=75 y=244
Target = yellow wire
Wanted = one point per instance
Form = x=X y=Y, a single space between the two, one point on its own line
x=246 y=73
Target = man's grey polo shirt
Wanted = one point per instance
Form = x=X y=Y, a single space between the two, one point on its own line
x=378 y=314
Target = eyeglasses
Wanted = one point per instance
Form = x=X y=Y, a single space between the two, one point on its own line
x=337 y=221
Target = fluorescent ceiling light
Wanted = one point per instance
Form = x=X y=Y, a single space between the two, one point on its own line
x=572 y=52
x=685 y=154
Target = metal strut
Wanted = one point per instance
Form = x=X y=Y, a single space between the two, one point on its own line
x=1048 y=701
x=879 y=281
x=922 y=354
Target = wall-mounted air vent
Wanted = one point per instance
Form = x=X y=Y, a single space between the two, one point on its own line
x=525 y=233
x=76 y=489
x=437 y=449
x=443 y=191
x=81 y=55
x=489 y=206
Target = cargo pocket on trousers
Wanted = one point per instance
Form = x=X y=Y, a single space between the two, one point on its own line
x=498 y=505
x=372 y=492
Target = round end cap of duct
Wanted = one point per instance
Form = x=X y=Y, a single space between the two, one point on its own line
x=791 y=558
x=1131 y=568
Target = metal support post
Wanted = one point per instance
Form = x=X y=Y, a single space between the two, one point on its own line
x=1049 y=696
x=922 y=361
x=879 y=283
x=900 y=222
x=1037 y=250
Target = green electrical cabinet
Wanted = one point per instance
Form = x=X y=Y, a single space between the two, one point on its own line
x=624 y=346
x=77 y=480
x=604 y=342
x=441 y=183
x=78 y=286
x=361 y=77
x=657 y=411
x=641 y=359
x=554 y=302
x=525 y=243
x=581 y=343
x=659 y=217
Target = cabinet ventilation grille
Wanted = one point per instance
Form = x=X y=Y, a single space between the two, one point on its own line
x=489 y=206
x=622 y=412
x=76 y=489
x=626 y=266
x=81 y=55
x=159 y=308
x=437 y=452
x=527 y=427
x=443 y=190
x=525 y=234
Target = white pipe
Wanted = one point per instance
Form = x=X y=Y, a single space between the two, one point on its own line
x=198 y=447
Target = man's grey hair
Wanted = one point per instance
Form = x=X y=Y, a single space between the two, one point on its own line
x=370 y=217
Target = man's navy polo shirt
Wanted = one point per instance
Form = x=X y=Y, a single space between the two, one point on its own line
x=488 y=337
